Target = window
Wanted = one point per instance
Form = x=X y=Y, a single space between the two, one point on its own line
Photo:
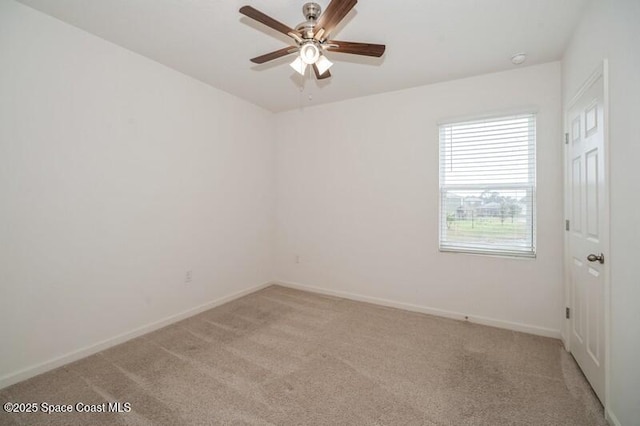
x=487 y=186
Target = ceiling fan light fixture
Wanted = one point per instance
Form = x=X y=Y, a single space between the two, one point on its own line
x=309 y=53
x=299 y=65
x=323 y=64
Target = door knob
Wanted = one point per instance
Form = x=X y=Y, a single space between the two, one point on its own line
x=593 y=258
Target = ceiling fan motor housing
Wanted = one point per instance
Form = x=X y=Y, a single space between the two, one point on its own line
x=311 y=12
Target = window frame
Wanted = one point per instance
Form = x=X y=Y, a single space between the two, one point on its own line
x=530 y=187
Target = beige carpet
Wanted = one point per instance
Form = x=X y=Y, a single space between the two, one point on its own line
x=286 y=357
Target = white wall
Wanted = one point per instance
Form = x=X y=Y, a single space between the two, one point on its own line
x=117 y=175
x=358 y=202
x=611 y=29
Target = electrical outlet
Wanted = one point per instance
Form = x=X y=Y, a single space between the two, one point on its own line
x=297 y=258
x=188 y=277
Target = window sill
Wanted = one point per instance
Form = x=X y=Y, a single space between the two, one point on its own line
x=500 y=254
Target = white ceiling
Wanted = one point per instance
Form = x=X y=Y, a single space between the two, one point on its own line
x=427 y=41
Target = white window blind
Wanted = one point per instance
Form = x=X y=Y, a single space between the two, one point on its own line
x=487 y=185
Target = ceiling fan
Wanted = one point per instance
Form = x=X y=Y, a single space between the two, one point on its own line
x=312 y=37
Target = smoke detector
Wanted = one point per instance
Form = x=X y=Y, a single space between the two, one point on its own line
x=519 y=58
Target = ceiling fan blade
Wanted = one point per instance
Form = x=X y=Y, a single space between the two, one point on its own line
x=274 y=55
x=326 y=74
x=266 y=20
x=333 y=14
x=365 y=49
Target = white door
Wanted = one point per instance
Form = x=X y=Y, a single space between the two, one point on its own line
x=588 y=231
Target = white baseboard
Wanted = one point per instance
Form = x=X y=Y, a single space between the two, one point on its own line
x=116 y=340
x=509 y=325
x=565 y=342
x=611 y=418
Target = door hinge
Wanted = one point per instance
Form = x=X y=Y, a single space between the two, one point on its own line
x=567 y=225
x=568 y=313
x=566 y=138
